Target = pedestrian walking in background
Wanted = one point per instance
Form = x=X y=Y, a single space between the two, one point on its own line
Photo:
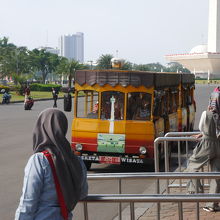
x=208 y=149
x=27 y=93
x=55 y=179
x=67 y=101
x=55 y=97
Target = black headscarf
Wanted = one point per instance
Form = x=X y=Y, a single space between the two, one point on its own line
x=50 y=134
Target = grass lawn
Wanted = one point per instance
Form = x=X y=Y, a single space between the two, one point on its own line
x=212 y=81
x=34 y=94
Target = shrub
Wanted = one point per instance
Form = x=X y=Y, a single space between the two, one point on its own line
x=44 y=87
x=7 y=88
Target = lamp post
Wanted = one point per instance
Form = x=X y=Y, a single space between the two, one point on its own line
x=17 y=52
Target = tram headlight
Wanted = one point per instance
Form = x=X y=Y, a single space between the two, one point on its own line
x=79 y=147
x=142 y=150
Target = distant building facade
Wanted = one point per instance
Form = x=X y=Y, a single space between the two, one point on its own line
x=50 y=50
x=204 y=60
x=72 y=46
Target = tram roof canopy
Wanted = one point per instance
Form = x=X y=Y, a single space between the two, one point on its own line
x=134 y=78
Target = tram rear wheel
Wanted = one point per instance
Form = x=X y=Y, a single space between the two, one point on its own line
x=88 y=164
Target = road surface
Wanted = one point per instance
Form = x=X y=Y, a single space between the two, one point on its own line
x=16 y=146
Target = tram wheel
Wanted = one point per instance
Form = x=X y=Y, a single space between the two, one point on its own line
x=88 y=164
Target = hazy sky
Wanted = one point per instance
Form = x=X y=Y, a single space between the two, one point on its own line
x=142 y=31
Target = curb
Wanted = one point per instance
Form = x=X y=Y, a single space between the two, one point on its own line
x=35 y=100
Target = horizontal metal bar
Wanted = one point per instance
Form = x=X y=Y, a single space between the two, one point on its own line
x=168 y=175
x=152 y=198
x=183 y=185
x=160 y=139
x=173 y=134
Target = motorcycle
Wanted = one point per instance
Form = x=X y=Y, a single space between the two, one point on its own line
x=29 y=102
x=6 y=98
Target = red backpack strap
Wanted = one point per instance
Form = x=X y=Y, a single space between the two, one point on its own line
x=63 y=207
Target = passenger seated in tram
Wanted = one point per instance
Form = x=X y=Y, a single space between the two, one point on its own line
x=133 y=102
x=94 y=113
x=112 y=100
x=143 y=110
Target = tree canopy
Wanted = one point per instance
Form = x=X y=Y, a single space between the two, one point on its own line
x=21 y=64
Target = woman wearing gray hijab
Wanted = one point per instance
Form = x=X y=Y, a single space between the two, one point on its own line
x=39 y=200
x=208 y=149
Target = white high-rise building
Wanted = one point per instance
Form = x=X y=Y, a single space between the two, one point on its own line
x=72 y=46
x=214 y=27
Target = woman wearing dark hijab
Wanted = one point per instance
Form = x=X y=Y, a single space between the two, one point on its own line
x=39 y=200
x=208 y=149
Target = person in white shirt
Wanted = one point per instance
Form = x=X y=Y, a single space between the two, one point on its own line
x=208 y=149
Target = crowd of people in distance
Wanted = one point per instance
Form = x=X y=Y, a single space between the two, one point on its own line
x=28 y=100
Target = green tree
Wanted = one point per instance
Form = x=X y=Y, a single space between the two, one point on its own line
x=157 y=67
x=176 y=67
x=68 y=68
x=141 y=67
x=127 y=66
x=6 y=54
x=104 y=61
x=44 y=62
x=14 y=61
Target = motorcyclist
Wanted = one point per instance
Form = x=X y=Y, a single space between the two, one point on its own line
x=6 y=97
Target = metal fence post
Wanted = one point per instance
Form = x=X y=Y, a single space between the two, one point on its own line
x=197 y=204
x=132 y=210
x=156 y=156
x=167 y=168
x=180 y=210
x=187 y=149
x=85 y=211
x=179 y=163
x=156 y=167
x=119 y=191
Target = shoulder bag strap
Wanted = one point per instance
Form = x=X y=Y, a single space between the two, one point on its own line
x=63 y=207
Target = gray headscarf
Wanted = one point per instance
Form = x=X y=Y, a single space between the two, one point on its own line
x=214 y=107
x=50 y=134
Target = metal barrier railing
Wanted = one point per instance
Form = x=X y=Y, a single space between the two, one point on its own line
x=180 y=134
x=112 y=198
x=171 y=136
x=166 y=158
x=166 y=139
x=156 y=198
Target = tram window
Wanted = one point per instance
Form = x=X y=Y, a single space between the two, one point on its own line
x=164 y=106
x=157 y=106
x=188 y=99
x=158 y=103
x=139 y=106
x=112 y=101
x=87 y=104
x=173 y=102
x=184 y=101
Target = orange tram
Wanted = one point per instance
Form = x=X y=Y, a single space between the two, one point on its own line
x=118 y=114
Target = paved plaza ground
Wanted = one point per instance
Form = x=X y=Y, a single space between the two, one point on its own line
x=169 y=211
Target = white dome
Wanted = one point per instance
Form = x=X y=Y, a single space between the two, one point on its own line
x=203 y=48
